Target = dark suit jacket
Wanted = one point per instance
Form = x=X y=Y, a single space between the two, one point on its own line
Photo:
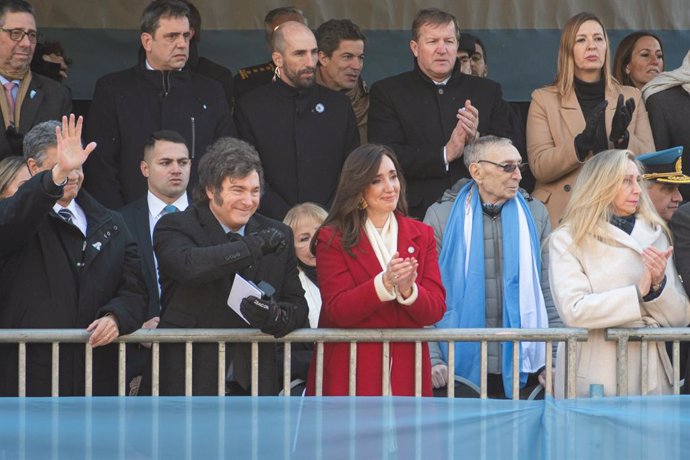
x=53 y=277
x=128 y=106
x=197 y=264
x=415 y=117
x=136 y=215
x=50 y=101
x=303 y=137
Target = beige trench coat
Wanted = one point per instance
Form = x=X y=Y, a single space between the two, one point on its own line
x=596 y=289
x=552 y=125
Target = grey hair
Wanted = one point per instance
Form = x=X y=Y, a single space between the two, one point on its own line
x=40 y=138
x=227 y=158
x=477 y=150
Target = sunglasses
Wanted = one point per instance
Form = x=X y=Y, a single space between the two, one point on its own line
x=509 y=167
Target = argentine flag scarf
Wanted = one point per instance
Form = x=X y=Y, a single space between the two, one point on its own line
x=462 y=271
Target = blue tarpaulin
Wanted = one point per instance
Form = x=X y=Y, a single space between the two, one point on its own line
x=343 y=428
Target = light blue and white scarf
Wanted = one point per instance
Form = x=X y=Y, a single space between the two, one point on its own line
x=462 y=271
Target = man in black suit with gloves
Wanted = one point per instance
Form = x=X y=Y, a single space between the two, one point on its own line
x=200 y=250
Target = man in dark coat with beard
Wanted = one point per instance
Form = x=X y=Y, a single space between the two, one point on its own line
x=159 y=93
x=65 y=262
x=429 y=114
x=303 y=131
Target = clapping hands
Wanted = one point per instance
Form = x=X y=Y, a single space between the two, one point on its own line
x=401 y=274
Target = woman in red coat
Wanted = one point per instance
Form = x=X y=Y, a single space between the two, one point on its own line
x=376 y=269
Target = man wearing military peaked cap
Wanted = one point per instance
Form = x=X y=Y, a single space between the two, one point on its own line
x=663 y=174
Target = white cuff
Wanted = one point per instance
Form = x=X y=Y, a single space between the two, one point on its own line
x=445 y=158
x=410 y=300
x=384 y=294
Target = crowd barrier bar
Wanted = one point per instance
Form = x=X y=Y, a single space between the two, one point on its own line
x=319 y=336
x=644 y=336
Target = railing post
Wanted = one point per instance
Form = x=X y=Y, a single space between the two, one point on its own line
x=255 y=368
x=549 y=368
x=88 y=370
x=55 y=370
x=221 y=368
x=385 y=369
x=287 y=372
x=622 y=366
x=22 y=369
x=155 y=368
x=483 y=369
x=676 y=368
x=418 y=369
x=352 y=374
x=121 y=369
x=188 y=368
x=319 y=369
x=571 y=391
x=516 y=370
x=451 y=369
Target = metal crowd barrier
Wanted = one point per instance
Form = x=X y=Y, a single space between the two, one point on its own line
x=319 y=337
x=644 y=336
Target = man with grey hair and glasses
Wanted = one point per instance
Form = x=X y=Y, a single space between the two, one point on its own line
x=489 y=235
x=65 y=262
x=28 y=98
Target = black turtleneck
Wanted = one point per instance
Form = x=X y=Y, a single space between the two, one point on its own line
x=589 y=95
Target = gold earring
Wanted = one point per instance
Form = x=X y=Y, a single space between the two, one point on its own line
x=363 y=203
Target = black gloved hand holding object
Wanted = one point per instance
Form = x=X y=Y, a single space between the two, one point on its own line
x=265 y=315
x=621 y=121
x=595 y=129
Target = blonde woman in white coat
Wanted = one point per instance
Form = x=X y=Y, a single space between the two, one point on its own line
x=304 y=219
x=611 y=266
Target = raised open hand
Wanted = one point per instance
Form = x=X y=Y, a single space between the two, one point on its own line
x=70 y=153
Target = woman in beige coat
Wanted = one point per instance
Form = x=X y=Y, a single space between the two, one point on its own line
x=610 y=267
x=583 y=112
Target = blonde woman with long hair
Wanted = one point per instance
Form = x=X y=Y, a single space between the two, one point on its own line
x=611 y=266
x=583 y=112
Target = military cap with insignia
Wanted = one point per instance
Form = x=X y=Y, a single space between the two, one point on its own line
x=664 y=166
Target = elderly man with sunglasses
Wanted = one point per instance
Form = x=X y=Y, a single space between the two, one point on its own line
x=489 y=235
x=28 y=98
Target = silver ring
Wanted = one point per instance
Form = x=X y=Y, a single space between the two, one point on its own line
x=395 y=277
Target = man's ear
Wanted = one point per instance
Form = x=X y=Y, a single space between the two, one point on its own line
x=476 y=172
x=323 y=59
x=144 y=167
x=146 y=39
x=277 y=59
x=209 y=193
x=414 y=47
x=33 y=166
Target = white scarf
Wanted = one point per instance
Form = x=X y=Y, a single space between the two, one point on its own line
x=666 y=80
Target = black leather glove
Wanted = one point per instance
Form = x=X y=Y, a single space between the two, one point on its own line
x=620 y=122
x=268 y=240
x=265 y=315
x=595 y=129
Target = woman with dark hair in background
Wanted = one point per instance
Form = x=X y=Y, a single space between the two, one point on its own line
x=639 y=59
x=582 y=113
x=376 y=269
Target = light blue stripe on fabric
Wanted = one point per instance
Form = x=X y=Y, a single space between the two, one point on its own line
x=333 y=428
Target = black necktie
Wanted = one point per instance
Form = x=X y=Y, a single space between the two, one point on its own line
x=66 y=215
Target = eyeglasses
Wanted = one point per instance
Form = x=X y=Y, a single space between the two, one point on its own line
x=508 y=167
x=17 y=35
